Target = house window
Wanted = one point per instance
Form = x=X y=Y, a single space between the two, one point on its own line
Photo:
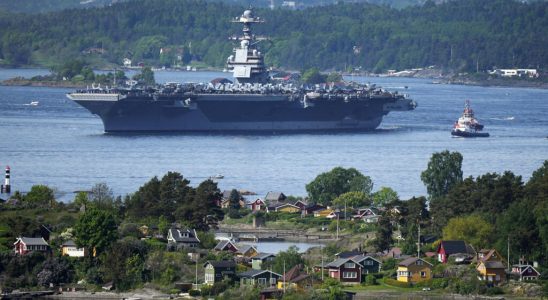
x=350 y=274
x=272 y=281
x=423 y=274
x=262 y=281
x=209 y=278
x=498 y=278
x=368 y=262
x=403 y=273
x=349 y=265
x=419 y=263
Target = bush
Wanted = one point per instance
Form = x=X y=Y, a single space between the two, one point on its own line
x=394 y=282
x=494 y=291
x=195 y=293
x=370 y=279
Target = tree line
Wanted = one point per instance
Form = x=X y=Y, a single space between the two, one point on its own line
x=460 y=35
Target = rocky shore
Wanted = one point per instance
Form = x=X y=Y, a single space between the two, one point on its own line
x=20 y=81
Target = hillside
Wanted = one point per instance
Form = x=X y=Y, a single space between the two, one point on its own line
x=460 y=35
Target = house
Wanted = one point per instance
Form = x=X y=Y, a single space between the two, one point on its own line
x=395 y=252
x=413 y=270
x=346 y=270
x=69 y=248
x=256 y=205
x=448 y=248
x=258 y=260
x=525 y=272
x=312 y=208
x=335 y=215
x=287 y=208
x=368 y=263
x=368 y=215
x=489 y=255
x=348 y=254
x=322 y=213
x=295 y=278
x=216 y=271
x=262 y=278
x=182 y=238
x=246 y=251
x=273 y=200
x=24 y=245
x=492 y=271
x=226 y=245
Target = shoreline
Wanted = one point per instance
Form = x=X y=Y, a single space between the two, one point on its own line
x=489 y=82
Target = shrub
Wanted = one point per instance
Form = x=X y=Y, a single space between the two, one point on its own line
x=394 y=282
x=370 y=279
x=195 y=293
x=494 y=291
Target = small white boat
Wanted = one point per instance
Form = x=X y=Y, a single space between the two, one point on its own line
x=33 y=103
x=218 y=176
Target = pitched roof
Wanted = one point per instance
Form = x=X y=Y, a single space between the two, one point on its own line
x=69 y=243
x=348 y=254
x=274 y=196
x=245 y=248
x=221 y=263
x=262 y=256
x=360 y=258
x=32 y=241
x=222 y=244
x=177 y=235
x=339 y=262
x=452 y=247
x=252 y=273
x=411 y=260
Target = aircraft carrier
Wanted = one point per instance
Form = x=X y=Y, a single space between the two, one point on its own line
x=253 y=103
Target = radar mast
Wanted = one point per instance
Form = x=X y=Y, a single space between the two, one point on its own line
x=247 y=63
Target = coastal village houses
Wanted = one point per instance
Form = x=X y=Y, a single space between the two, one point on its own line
x=216 y=271
x=69 y=248
x=491 y=266
x=24 y=245
x=453 y=248
x=524 y=272
x=414 y=270
x=182 y=238
x=262 y=278
x=352 y=270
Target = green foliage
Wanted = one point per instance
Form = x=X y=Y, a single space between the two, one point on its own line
x=370 y=279
x=95 y=229
x=288 y=258
x=394 y=282
x=384 y=196
x=234 y=199
x=207 y=240
x=352 y=199
x=40 y=196
x=383 y=237
x=334 y=77
x=125 y=266
x=313 y=76
x=329 y=185
x=146 y=76
x=444 y=171
x=472 y=229
x=55 y=270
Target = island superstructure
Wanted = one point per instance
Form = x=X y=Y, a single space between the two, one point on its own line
x=252 y=103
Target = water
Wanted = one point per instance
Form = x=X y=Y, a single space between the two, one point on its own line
x=61 y=144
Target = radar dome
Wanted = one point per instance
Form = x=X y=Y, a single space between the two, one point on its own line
x=244 y=43
x=248 y=14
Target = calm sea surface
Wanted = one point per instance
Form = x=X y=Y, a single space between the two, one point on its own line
x=61 y=144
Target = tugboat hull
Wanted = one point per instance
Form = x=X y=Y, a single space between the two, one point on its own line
x=469 y=134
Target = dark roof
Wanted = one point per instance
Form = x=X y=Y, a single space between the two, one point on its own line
x=411 y=260
x=452 y=247
x=69 y=243
x=33 y=241
x=348 y=254
x=262 y=256
x=221 y=264
x=274 y=196
x=494 y=264
x=244 y=248
x=178 y=237
x=339 y=262
x=222 y=244
x=360 y=258
x=253 y=273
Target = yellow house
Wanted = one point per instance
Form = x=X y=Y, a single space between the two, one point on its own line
x=414 y=269
x=288 y=208
x=246 y=251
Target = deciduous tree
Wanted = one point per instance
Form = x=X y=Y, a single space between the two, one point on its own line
x=329 y=185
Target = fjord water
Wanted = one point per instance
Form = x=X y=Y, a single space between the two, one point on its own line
x=61 y=144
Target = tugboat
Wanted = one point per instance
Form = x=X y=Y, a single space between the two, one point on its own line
x=467 y=125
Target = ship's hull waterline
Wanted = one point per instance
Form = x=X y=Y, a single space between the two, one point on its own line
x=248 y=113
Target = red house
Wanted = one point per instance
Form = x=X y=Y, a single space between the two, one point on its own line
x=346 y=270
x=256 y=205
x=448 y=248
x=24 y=245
